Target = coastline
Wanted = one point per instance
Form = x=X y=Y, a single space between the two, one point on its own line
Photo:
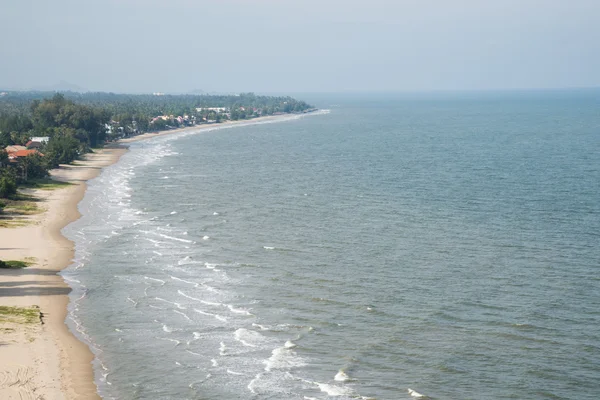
x=204 y=127
x=47 y=360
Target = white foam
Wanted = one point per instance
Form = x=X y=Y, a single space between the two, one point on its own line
x=416 y=394
x=220 y=318
x=170 y=340
x=184 y=281
x=283 y=358
x=191 y=352
x=268 y=248
x=341 y=376
x=333 y=390
x=234 y=373
x=262 y=327
x=252 y=383
x=173 y=212
x=189 y=297
x=214 y=362
x=167 y=329
x=211 y=303
x=175 y=238
x=249 y=338
x=155 y=280
x=185 y=260
x=222 y=348
x=289 y=344
x=238 y=310
x=171 y=302
x=157 y=253
x=205 y=237
x=204 y=312
x=210 y=288
x=184 y=314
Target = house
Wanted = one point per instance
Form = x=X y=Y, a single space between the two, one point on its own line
x=15 y=155
x=33 y=145
x=41 y=139
x=13 y=148
x=215 y=109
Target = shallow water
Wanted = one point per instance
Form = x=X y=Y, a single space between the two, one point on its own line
x=447 y=244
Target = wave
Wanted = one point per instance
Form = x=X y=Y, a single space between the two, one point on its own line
x=341 y=376
x=183 y=314
x=184 y=281
x=156 y=280
x=171 y=302
x=283 y=358
x=249 y=338
x=234 y=373
x=416 y=394
x=189 y=297
x=238 y=310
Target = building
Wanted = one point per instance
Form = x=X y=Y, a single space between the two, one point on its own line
x=215 y=109
x=22 y=153
x=14 y=148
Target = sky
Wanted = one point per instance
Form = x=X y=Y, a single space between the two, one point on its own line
x=268 y=46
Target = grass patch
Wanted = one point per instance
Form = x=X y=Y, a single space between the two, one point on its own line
x=22 y=207
x=21 y=204
x=14 y=223
x=14 y=264
x=19 y=315
x=45 y=184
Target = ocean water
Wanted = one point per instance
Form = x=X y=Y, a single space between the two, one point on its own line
x=443 y=243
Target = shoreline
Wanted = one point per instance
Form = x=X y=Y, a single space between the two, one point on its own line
x=54 y=362
x=204 y=127
x=48 y=360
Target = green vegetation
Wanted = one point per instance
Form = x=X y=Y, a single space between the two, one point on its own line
x=14 y=264
x=20 y=315
x=74 y=123
x=45 y=184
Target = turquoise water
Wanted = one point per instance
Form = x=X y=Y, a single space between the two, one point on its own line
x=444 y=243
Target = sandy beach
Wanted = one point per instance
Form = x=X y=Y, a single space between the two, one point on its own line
x=45 y=360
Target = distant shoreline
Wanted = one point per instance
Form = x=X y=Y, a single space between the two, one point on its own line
x=202 y=127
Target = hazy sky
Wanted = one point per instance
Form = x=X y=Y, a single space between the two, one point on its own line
x=299 y=46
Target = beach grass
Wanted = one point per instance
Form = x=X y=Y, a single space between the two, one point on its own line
x=19 y=315
x=15 y=264
x=20 y=204
x=14 y=223
x=45 y=184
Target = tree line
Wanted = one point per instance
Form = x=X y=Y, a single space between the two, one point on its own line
x=77 y=122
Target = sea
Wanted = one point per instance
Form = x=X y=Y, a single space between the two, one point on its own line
x=387 y=246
